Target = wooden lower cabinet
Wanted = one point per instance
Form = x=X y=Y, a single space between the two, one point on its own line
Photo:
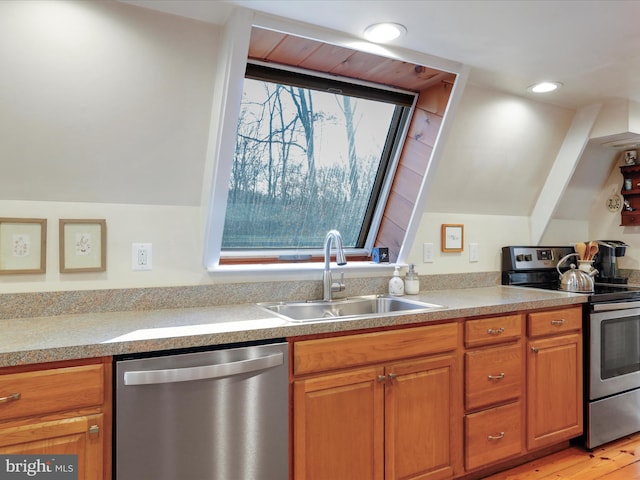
x=338 y=426
x=80 y=436
x=418 y=419
x=392 y=420
x=59 y=409
x=372 y=407
x=554 y=384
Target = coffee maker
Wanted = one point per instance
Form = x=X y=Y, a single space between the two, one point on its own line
x=605 y=261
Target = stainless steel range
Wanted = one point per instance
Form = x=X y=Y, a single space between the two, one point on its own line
x=611 y=328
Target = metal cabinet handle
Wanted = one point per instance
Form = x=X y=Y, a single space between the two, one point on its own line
x=558 y=322
x=10 y=398
x=94 y=429
x=496 y=377
x=534 y=350
x=496 y=437
x=495 y=331
x=384 y=378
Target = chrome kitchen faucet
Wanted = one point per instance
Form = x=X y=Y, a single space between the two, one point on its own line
x=328 y=286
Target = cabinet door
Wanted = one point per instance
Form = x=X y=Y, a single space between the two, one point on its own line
x=419 y=419
x=82 y=436
x=338 y=429
x=554 y=390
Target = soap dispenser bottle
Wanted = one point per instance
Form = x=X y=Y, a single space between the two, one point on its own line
x=411 y=281
x=396 y=285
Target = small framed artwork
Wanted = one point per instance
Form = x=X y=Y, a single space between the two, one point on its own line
x=23 y=245
x=83 y=246
x=452 y=238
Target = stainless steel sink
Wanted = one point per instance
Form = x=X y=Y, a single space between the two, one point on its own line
x=352 y=307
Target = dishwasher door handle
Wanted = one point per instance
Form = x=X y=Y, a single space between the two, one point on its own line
x=172 y=375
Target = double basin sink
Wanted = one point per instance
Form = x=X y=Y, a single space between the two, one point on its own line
x=346 y=308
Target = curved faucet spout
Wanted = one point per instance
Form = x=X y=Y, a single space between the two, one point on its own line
x=327 y=284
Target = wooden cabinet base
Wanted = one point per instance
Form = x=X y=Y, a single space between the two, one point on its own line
x=514 y=462
x=82 y=436
x=60 y=408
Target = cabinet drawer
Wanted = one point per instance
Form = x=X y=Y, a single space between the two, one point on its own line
x=555 y=321
x=353 y=350
x=487 y=331
x=493 y=376
x=493 y=435
x=53 y=390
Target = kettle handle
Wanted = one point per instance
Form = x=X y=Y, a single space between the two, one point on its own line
x=562 y=260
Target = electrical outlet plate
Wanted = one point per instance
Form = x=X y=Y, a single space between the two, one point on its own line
x=141 y=256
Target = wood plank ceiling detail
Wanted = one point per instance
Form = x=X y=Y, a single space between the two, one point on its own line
x=281 y=48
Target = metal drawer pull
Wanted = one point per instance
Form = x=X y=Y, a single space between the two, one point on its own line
x=11 y=398
x=496 y=377
x=495 y=331
x=558 y=322
x=496 y=437
x=382 y=378
x=534 y=350
x=392 y=376
x=93 y=429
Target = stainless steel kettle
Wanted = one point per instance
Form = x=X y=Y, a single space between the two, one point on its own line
x=578 y=280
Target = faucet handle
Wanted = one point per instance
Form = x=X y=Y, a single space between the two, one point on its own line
x=338 y=286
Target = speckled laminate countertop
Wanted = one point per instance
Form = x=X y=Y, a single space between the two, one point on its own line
x=65 y=337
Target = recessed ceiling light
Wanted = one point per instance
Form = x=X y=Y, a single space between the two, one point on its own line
x=384 y=32
x=544 y=87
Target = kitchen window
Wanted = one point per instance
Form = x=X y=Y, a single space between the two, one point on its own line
x=312 y=153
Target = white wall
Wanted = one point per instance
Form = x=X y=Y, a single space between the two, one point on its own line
x=103 y=102
x=490 y=232
x=173 y=232
x=498 y=152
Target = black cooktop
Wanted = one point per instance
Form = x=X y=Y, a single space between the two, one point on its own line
x=535 y=267
x=602 y=292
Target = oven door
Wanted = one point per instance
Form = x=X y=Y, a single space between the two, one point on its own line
x=614 y=350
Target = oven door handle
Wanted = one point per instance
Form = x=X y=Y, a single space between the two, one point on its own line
x=610 y=306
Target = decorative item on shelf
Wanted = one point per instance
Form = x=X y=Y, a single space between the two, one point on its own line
x=630 y=157
x=452 y=238
x=628 y=207
x=23 y=245
x=614 y=203
x=83 y=246
x=628 y=184
x=380 y=255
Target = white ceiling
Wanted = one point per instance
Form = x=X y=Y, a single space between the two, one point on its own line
x=591 y=46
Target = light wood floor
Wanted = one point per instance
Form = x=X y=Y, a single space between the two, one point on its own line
x=619 y=460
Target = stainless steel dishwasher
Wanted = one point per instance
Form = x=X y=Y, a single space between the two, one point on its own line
x=209 y=415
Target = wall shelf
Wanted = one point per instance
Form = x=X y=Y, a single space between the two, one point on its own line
x=630 y=173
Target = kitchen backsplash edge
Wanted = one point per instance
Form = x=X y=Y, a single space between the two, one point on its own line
x=45 y=304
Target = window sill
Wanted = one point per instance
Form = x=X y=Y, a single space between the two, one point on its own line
x=299 y=271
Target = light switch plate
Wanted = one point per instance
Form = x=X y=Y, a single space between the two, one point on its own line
x=427 y=252
x=474 y=253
